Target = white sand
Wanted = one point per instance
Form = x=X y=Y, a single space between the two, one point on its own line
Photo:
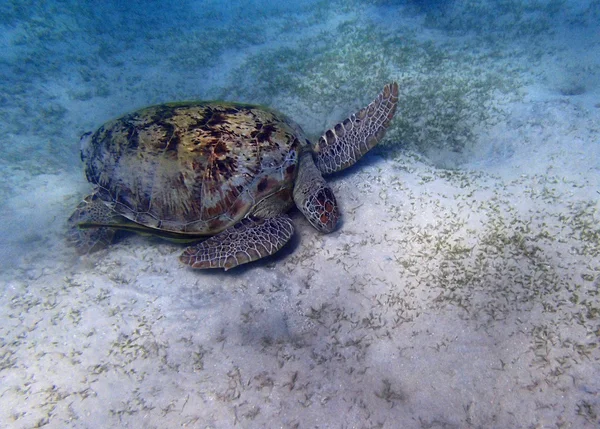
x=447 y=298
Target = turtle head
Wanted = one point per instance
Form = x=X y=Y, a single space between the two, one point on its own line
x=321 y=210
x=313 y=196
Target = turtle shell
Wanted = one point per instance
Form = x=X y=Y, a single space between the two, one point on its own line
x=194 y=167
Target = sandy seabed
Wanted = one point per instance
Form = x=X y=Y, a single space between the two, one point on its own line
x=447 y=298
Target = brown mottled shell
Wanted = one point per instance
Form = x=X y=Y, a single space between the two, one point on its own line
x=194 y=167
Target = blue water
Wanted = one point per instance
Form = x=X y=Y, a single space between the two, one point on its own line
x=499 y=107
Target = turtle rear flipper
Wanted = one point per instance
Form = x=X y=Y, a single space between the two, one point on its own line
x=343 y=145
x=89 y=239
x=248 y=240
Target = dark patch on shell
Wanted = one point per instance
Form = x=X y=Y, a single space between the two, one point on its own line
x=265 y=133
x=216 y=119
x=173 y=143
x=220 y=148
x=262 y=185
x=223 y=169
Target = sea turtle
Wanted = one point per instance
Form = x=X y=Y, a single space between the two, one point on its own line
x=227 y=171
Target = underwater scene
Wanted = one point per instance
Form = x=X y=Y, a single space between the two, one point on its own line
x=448 y=277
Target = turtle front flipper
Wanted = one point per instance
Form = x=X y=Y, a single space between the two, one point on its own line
x=244 y=242
x=344 y=144
x=91 y=239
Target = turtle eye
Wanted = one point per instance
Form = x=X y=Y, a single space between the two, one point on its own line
x=323 y=209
